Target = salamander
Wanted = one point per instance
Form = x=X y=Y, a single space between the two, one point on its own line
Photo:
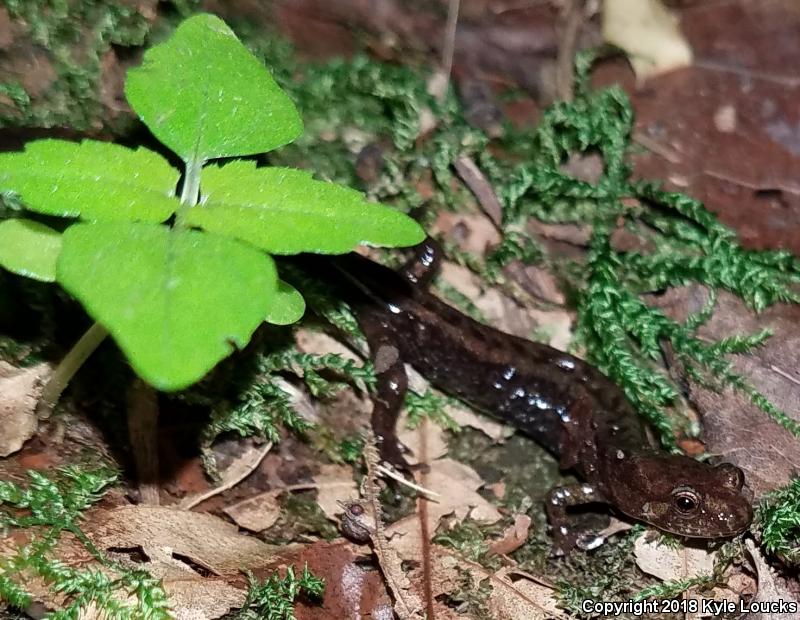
x=564 y=403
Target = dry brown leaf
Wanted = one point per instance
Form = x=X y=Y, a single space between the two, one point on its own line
x=513 y=538
x=334 y=484
x=771 y=588
x=175 y=543
x=648 y=33
x=426 y=442
x=473 y=232
x=256 y=513
x=320 y=343
x=457 y=486
x=463 y=416
x=19 y=393
x=671 y=563
x=165 y=534
x=734 y=428
x=521 y=598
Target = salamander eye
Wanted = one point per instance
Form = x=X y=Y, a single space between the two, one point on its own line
x=685 y=501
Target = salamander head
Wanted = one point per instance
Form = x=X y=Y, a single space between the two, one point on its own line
x=680 y=495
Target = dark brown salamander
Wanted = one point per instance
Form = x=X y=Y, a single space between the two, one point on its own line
x=561 y=401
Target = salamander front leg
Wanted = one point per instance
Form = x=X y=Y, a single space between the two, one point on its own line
x=423 y=264
x=390 y=389
x=558 y=501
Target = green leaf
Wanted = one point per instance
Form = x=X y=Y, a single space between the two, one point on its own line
x=286 y=306
x=29 y=249
x=91 y=180
x=204 y=95
x=285 y=211
x=176 y=301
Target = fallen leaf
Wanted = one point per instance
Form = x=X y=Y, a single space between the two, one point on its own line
x=198 y=557
x=670 y=563
x=256 y=513
x=334 y=484
x=770 y=588
x=514 y=536
x=457 y=486
x=166 y=535
x=463 y=416
x=426 y=442
x=473 y=232
x=19 y=393
x=515 y=596
x=648 y=33
x=734 y=428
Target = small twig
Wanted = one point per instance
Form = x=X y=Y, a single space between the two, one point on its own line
x=407 y=606
x=784 y=374
x=565 y=64
x=775 y=78
x=665 y=152
x=479 y=185
x=782 y=186
x=233 y=476
x=449 y=45
x=411 y=485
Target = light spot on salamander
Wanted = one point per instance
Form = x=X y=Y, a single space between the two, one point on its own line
x=509 y=373
x=394 y=309
x=620 y=454
x=566 y=364
x=535 y=400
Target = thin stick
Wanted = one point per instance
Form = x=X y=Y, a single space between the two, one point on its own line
x=565 y=71
x=411 y=485
x=241 y=470
x=449 y=47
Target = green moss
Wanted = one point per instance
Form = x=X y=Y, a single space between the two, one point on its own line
x=778 y=520
x=273 y=598
x=54 y=505
x=76 y=35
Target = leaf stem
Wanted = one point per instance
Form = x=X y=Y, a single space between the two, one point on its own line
x=64 y=372
x=190 y=193
x=191 y=182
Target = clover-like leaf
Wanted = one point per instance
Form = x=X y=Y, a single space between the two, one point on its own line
x=286 y=306
x=29 y=248
x=285 y=211
x=204 y=95
x=92 y=180
x=176 y=301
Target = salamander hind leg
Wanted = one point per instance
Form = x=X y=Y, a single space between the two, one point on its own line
x=558 y=501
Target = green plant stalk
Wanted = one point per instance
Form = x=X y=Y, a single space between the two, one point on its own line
x=67 y=368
